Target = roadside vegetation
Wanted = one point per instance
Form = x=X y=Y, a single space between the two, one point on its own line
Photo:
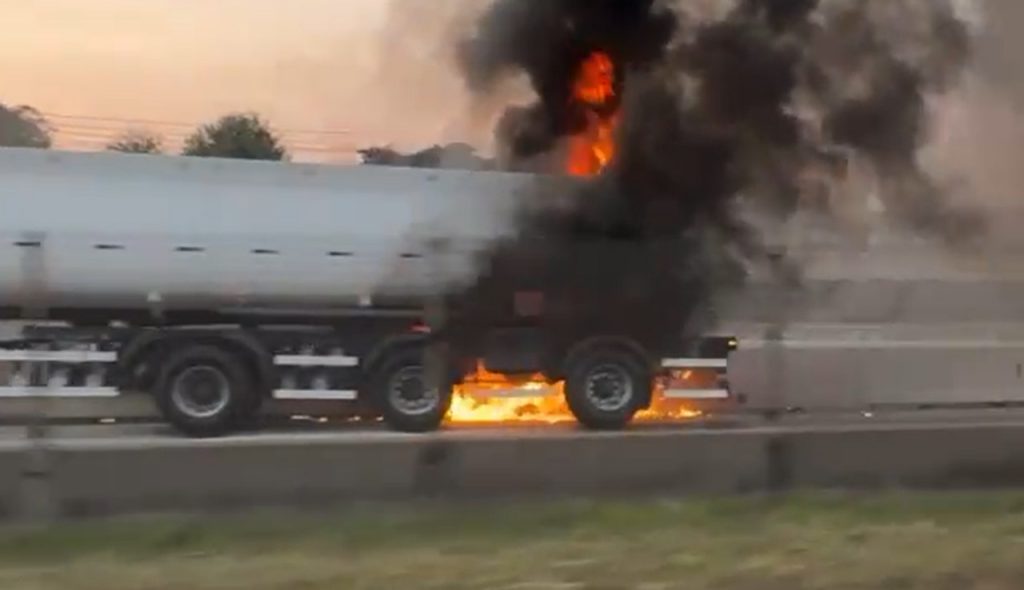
x=905 y=541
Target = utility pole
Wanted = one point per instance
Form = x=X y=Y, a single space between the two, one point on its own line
x=435 y=362
x=37 y=502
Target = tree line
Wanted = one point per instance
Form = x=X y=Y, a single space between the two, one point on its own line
x=238 y=135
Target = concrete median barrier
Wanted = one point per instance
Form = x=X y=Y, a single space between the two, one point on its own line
x=86 y=478
x=12 y=462
x=706 y=462
x=106 y=479
x=926 y=457
x=112 y=479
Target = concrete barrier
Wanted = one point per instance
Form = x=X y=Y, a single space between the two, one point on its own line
x=107 y=479
x=706 y=462
x=116 y=477
x=112 y=479
x=12 y=462
x=925 y=457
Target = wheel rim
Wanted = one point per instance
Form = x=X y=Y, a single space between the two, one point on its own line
x=609 y=388
x=408 y=395
x=201 y=392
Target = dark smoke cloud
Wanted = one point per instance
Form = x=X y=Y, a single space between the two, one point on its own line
x=547 y=41
x=876 y=64
x=761 y=108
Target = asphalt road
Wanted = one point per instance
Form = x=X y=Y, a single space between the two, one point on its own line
x=141 y=435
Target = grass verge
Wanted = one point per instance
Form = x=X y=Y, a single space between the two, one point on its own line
x=934 y=542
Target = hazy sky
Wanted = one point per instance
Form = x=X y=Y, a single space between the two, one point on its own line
x=380 y=69
x=375 y=67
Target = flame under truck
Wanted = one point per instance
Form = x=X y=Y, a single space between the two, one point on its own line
x=215 y=285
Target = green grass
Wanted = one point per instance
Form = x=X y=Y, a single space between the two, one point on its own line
x=933 y=542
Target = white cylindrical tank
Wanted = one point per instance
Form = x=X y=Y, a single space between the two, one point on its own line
x=125 y=231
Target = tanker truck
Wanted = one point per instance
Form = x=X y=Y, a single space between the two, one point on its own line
x=215 y=285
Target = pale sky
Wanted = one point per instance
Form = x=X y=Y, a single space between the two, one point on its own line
x=380 y=69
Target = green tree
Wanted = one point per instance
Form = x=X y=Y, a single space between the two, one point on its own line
x=137 y=142
x=23 y=126
x=243 y=136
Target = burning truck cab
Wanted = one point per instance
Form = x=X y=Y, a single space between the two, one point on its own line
x=564 y=351
x=583 y=310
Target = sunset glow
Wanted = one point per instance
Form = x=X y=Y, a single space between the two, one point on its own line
x=187 y=61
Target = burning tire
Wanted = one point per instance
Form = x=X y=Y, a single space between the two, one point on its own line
x=399 y=389
x=605 y=387
x=204 y=391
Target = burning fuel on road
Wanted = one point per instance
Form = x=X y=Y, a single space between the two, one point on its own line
x=486 y=397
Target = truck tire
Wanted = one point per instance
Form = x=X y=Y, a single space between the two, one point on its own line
x=204 y=391
x=605 y=387
x=398 y=390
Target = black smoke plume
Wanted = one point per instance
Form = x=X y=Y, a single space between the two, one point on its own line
x=761 y=108
x=548 y=41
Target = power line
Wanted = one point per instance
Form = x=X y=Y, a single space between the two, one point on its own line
x=290 y=145
x=115 y=133
x=104 y=133
x=103 y=140
x=91 y=132
x=180 y=124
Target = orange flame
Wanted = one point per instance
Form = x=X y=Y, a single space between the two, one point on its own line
x=492 y=397
x=595 y=81
x=486 y=397
x=594 y=86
